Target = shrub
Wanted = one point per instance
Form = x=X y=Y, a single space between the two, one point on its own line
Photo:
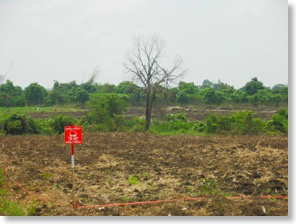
x=279 y=122
x=199 y=127
x=59 y=122
x=135 y=124
x=106 y=110
x=176 y=117
x=241 y=122
x=20 y=124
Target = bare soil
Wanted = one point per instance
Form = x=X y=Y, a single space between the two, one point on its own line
x=163 y=167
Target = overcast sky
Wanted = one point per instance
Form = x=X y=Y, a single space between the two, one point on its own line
x=64 y=40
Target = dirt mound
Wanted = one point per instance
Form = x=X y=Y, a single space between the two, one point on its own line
x=123 y=167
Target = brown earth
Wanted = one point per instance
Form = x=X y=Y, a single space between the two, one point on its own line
x=128 y=167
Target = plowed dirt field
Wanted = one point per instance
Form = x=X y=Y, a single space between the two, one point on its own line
x=133 y=167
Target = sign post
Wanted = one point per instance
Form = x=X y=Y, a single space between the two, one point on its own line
x=73 y=135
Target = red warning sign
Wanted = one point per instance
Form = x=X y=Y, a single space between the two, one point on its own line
x=73 y=134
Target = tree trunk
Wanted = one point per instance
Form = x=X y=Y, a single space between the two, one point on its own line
x=149 y=103
x=148 y=111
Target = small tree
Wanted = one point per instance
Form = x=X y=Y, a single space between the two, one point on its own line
x=81 y=96
x=213 y=97
x=105 y=107
x=35 y=94
x=59 y=122
x=253 y=86
x=145 y=65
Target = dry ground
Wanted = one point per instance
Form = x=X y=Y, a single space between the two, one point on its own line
x=122 y=167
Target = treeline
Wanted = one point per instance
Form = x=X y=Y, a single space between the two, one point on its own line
x=186 y=93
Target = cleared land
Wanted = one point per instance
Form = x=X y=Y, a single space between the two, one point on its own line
x=124 y=167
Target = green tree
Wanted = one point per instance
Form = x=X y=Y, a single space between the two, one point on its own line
x=206 y=84
x=59 y=122
x=136 y=94
x=107 y=88
x=105 y=107
x=35 y=94
x=279 y=121
x=213 y=97
x=182 y=97
x=81 y=96
x=66 y=90
x=54 y=97
x=238 y=96
x=253 y=86
x=187 y=87
x=126 y=87
x=11 y=95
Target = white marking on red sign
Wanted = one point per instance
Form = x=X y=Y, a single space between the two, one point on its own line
x=73 y=134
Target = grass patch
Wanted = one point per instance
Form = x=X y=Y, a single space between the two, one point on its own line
x=133 y=180
x=12 y=208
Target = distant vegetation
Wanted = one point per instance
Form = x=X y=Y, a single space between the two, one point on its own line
x=186 y=93
x=107 y=105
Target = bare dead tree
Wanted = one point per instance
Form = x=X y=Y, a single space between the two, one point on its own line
x=145 y=64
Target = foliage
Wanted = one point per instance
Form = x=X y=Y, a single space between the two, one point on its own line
x=59 y=122
x=177 y=124
x=134 y=124
x=20 y=124
x=105 y=111
x=182 y=97
x=108 y=103
x=242 y=122
x=238 y=97
x=213 y=97
x=253 y=86
x=11 y=95
x=11 y=208
x=189 y=93
x=279 y=122
x=54 y=97
x=176 y=117
x=188 y=87
x=81 y=96
x=35 y=94
x=136 y=94
x=209 y=187
x=133 y=180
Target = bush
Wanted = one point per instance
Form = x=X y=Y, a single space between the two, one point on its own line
x=279 y=122
x=59 y=122
x=134 y=124
x=20 y=124
x=199 y=127
x=176 y=117
x=106 y=110
x=241 y=122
